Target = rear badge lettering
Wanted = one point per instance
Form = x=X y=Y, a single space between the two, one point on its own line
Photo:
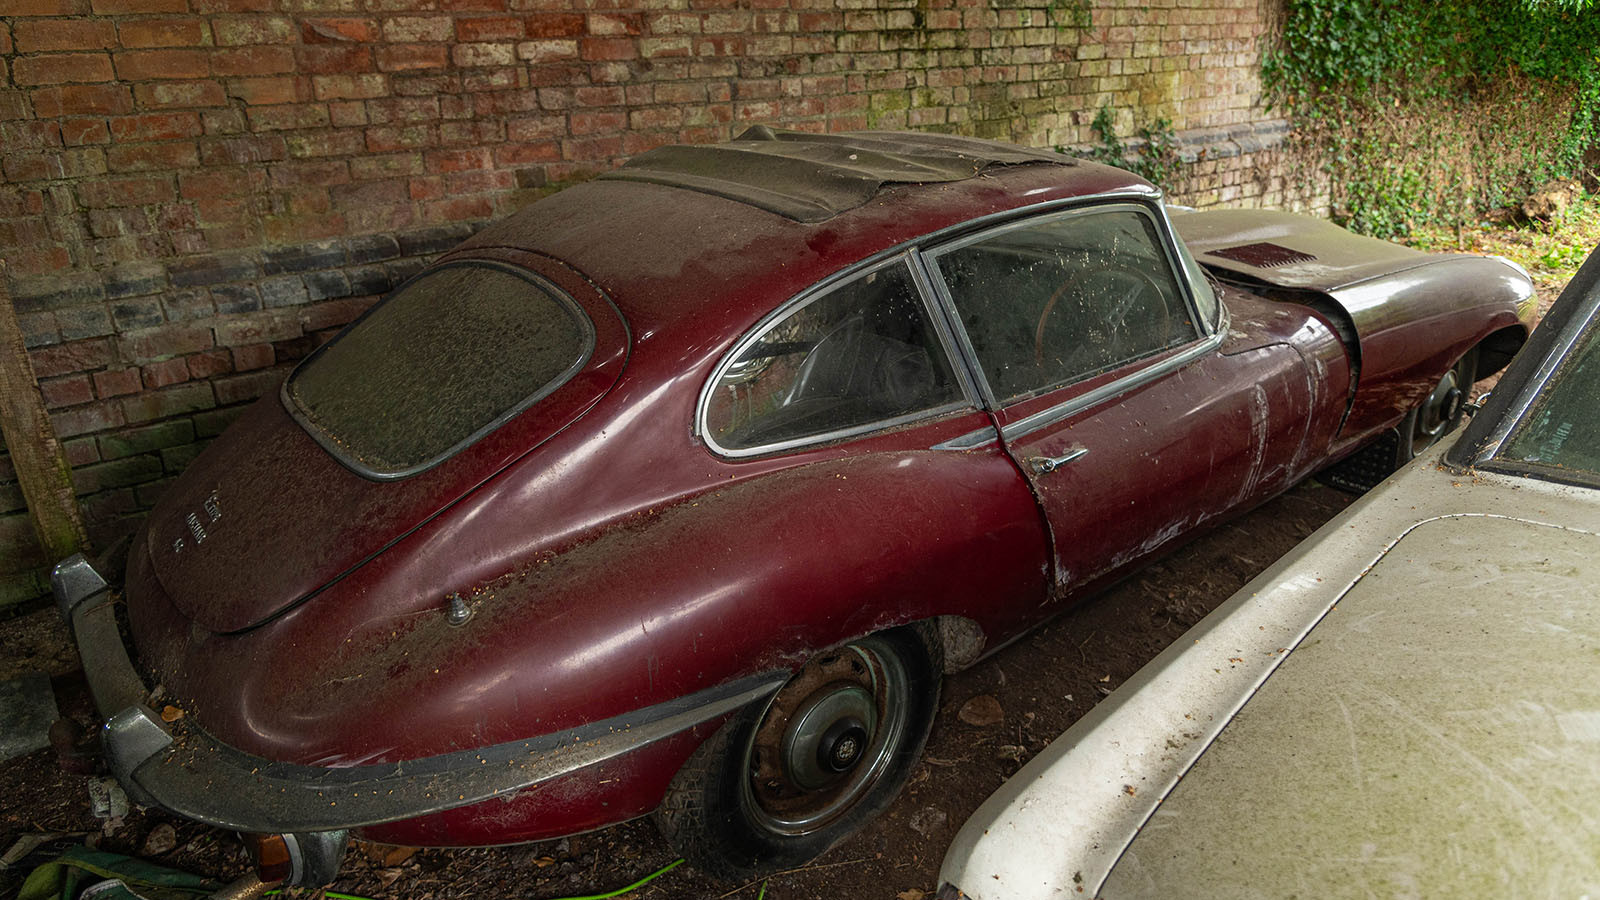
x=210 y=513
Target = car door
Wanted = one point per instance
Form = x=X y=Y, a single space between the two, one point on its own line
x=1106 y=369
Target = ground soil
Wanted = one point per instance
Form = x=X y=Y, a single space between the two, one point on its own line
x=1040 y=685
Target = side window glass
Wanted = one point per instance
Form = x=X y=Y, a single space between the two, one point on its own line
x=861 y=355
x=1066 y=298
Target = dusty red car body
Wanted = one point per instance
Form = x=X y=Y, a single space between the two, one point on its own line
x=613 y=562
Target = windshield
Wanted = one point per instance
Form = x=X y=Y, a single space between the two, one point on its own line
x=1560 y=432
x=438 y=364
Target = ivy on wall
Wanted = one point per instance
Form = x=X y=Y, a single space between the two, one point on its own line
x=1430 y=111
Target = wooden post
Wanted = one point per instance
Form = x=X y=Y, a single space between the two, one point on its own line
x=42 y=468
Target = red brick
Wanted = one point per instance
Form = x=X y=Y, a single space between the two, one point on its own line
x=338 y=30
x=490 y=28
x=210 y=364
x=310 y=174
x=338 y=142
x=156 y=127
x=116 y=382
x=236 y=31
x=253 y=61
x=192 y=185
x=418 y=29
x=556 y=25
x=234 y=6
x=149 y=65
x=77 y=132
x=147 y=33
x=595 y=122
x=458 y=160
x=268 y=91
x=119 y=7
x=36 y=35
x=288 y=116
x=87 y=419
x=62 y=68
x=180 y=95
x=350 y=87
x=607 y=48
x=16 y=202
x=256 y=328
x=252 y=356
x=166 y=373
x=164 y=341
x=616 y=24
x=347 y=113
x=152 y=157
x=129 y=191
x=69 y=391
x=410 y=57
x=77 y=356
x=333 y=59
x=242 y=149
x=82 y=99
x=17 y=8
x=473 y=5
x=460 y=209
x=388 y=140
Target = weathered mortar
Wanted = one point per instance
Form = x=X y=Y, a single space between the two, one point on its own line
x=198 y=191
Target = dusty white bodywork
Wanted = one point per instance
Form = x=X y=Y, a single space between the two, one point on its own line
x=1431 y=726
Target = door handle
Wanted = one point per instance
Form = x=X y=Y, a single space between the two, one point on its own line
x=1044 y=465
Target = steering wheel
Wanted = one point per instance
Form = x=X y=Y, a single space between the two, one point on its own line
x=1130 y=307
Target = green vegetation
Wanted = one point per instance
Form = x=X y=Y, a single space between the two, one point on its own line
x=1155 y=158
x=1423 y=113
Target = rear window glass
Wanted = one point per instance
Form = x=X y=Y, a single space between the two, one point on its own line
x=442 y=361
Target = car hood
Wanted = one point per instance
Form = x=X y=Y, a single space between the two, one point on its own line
x=1289 y=250
x=1431 y=720
x=266 y=516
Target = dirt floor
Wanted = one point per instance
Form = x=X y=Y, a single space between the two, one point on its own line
x=1024 y=696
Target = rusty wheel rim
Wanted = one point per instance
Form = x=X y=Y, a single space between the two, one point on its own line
x=826 y=738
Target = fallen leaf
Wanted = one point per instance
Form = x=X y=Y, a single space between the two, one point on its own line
x=982 y=711
x=161 y=840
x=171 y=713
x=912 y=894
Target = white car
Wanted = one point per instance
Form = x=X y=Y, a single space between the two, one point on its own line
x=1407 y=705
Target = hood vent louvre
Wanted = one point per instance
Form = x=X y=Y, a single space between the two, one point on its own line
x=1263 y=255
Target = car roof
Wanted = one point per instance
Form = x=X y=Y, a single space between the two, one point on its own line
x=672 y=256
x=814 y=177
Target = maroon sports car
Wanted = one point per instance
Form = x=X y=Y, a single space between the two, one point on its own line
x=678 y=491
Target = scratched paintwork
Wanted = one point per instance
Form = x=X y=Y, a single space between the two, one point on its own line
x=612 y=561
x=1434 y=736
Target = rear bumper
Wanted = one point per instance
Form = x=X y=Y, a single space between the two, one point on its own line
x=181 y=768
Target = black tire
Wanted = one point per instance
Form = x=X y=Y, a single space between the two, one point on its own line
x=1429 y=421
x=783 y=781
x=1439 y=413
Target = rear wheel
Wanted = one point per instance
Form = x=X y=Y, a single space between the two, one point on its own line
x=781 y=783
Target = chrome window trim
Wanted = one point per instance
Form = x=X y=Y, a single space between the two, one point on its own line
x=898 y=256
x=974 y=385
x=1208 y=337
x=1114 y=389
x=972 y=440
x=1518 y=411
x=337 y=450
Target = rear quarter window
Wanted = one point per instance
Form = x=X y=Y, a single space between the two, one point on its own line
x=445 y=359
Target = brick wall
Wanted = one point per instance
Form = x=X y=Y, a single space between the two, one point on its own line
x=196 y=192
